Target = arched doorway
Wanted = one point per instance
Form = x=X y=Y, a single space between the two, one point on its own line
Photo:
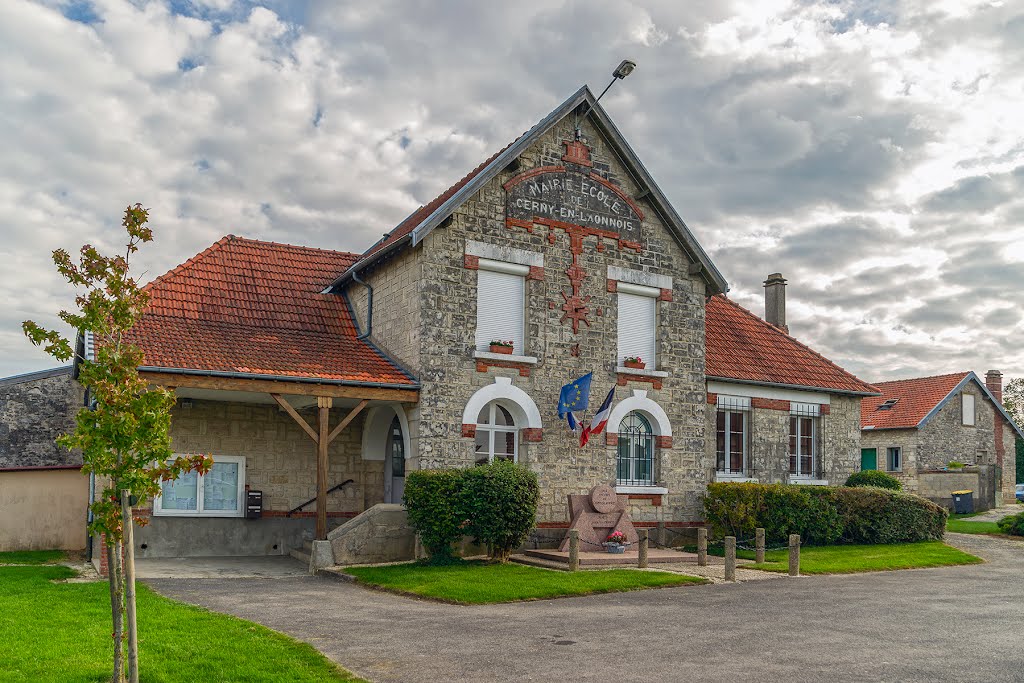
x=394 y=463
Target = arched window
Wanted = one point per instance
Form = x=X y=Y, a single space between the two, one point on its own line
x=497 y=435
x=635 y=461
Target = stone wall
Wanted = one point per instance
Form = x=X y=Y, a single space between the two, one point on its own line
x=450 y=374
x=906 y=439
x=280 y=458
x=939 y=486
x=838 y=439
x=34 y=410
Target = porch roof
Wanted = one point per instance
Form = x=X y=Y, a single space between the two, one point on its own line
x=251 y=311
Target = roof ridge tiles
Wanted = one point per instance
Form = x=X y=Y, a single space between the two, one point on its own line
x=945 y=375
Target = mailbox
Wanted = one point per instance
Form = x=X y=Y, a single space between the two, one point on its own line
x=254 y=504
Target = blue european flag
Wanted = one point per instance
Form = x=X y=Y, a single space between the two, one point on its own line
x=575 y=395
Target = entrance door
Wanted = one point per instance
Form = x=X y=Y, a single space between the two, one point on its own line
x=868 y=459
x=394 y=464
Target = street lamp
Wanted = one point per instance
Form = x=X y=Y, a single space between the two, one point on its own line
x=625 y=67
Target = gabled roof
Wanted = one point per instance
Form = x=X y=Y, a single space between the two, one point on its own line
x=418 y=225
x=742 y=347
x=248 y=307
x=918 y=400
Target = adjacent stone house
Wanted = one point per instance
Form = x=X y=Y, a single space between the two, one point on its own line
x=317 y=379
x=43 y=494
x=778 y=412
x=917 y=427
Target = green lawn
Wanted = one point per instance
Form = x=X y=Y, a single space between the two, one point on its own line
x=32 y=557
x=61 y=632
x=961 y=526
x=846 y=559
x=479 y=582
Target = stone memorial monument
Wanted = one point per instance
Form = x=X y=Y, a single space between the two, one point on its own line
x=598 y=514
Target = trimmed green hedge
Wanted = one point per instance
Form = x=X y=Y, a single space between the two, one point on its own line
x=874 y=478
x=822 y=515
x=1013 y=525
x=429 y=497
x=495 y=503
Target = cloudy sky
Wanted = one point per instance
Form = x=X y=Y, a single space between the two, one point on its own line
x=872 y=152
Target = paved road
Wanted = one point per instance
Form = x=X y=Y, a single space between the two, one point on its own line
x=950 y=624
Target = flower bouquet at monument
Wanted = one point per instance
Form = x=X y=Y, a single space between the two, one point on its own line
x=616 y=542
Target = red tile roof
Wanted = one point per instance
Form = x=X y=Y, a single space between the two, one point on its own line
x=256 y=307
x=915 y=398
x=744 y=347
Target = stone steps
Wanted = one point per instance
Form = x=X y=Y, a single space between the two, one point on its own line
x=304 y=554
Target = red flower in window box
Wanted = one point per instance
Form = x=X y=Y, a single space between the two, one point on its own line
x=635 y=362
x=501 y=346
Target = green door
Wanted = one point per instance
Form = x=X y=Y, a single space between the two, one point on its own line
x=868 y=459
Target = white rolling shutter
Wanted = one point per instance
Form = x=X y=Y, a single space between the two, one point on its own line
x=637 y=318
x=500 y=309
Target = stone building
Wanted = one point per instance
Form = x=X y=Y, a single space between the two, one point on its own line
x=943 y=434
x=43 y=494
x=319 y=378
x=777 y=411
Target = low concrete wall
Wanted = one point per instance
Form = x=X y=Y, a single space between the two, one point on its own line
x=938 y=486
x=218 y=536
x=381 y=534
x=43 y=509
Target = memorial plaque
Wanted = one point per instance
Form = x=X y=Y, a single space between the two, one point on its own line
x=603 y=498
x=572 y=197
x=596 y=515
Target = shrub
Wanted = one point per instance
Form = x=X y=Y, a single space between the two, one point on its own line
x=822 y=515
x=500 y=503
x=874 y=515
x=738 y=509
x=1013 y=525
x=430 y=501
x=874 y=478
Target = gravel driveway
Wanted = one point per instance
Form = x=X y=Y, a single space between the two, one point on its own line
x=948 y=624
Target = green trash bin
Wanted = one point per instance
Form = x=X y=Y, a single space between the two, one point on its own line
x=963 y=502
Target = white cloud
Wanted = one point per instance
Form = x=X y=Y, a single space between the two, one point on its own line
x=867 y=150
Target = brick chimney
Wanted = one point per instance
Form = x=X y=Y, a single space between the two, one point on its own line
x=994 y=382
x=775 y=301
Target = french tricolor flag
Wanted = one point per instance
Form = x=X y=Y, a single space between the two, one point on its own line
x=600 y=420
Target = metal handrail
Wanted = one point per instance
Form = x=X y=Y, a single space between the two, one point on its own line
x=329 y=491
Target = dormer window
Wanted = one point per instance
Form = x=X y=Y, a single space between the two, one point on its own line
x=889 y=403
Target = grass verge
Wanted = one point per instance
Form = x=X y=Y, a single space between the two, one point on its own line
x=960 y=526
x=475 y=583
x=32 y=557
x=61 y=632
x=848 y=559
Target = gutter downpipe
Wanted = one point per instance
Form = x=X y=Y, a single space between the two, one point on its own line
x=369 y=305
x=92 y=495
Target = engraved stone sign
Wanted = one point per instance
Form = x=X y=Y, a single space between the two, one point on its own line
x=572 y=197
x=596 y=515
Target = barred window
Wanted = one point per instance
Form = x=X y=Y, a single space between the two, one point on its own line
x=635 y=459
x=732 y=433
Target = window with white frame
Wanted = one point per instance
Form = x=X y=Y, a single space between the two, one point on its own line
x=804 y=456
x=967 y=403
x=635 y=457
x=638 y=318
x=497 y=434
x=894 y=459
x=218 y=493
x=501 y=304
x=731 y=434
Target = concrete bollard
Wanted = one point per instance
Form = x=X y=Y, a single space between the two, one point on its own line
x=794 y=554
x=574 y=550
x=642 y=559
x=662 y=535
x=702 y=547
x=759 y=545
x=730 y=558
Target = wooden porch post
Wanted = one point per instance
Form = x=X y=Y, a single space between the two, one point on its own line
x=324 y=405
